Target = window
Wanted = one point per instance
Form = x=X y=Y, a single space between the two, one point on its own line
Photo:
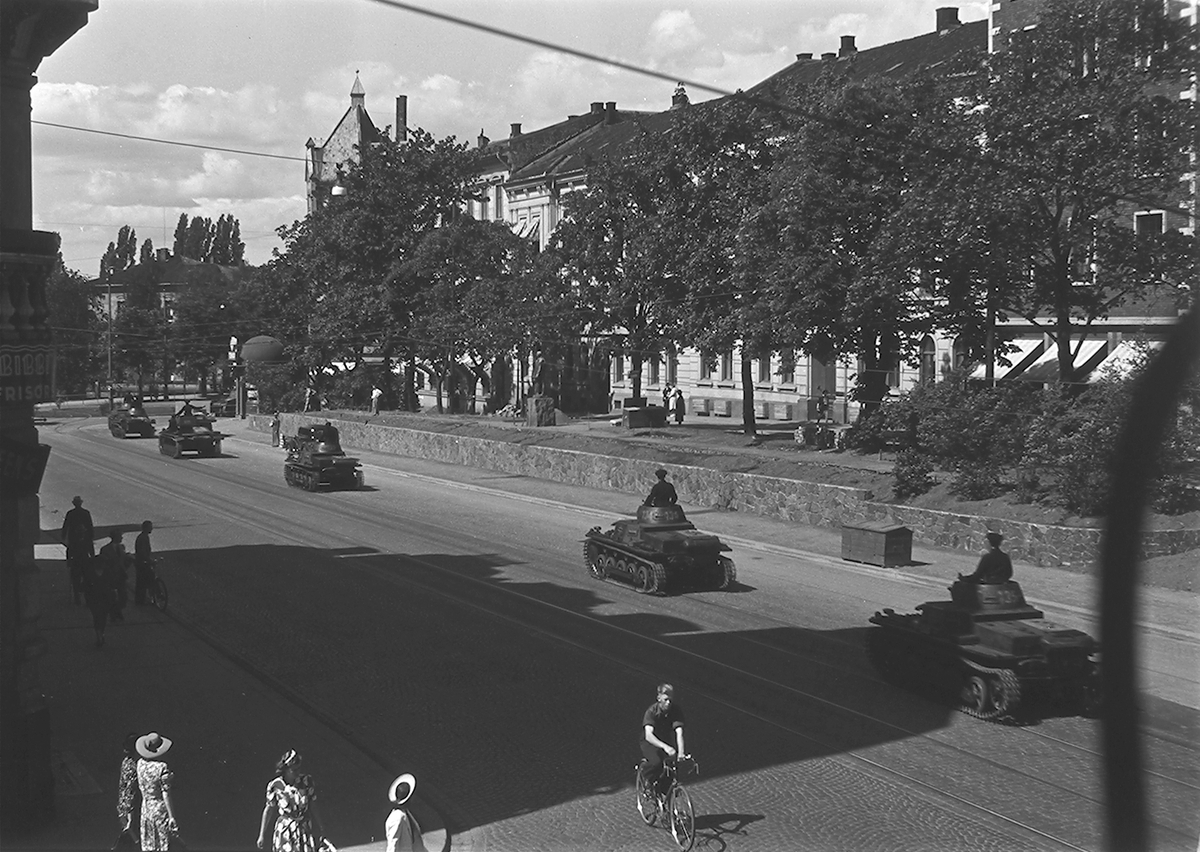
x=483 y=208
x=652 y=370
x=727 y=366
x=618 y=369
x=961 y=355
x=672 y=367
x=499 y=203
x=708 y=365
x=787 y=366
x=928 y=361
x=1150 y=223
x=764 y=369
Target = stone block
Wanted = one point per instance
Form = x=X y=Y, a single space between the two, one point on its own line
x=539 y=411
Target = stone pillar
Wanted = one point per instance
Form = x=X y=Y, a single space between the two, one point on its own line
x=30 y=30
x=539 y=411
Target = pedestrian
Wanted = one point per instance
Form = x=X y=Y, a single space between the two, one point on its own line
x=376 y=395
x=115 y=574
x=143 y=563
x=403 y=830
x=680 y=407
x=666 y=396
x=308 y=398
x=275 y=426
x=292 y=806
x=98 y=594
x=78 y=535
x=129 y=798
x=154 y=782
x=994 y=567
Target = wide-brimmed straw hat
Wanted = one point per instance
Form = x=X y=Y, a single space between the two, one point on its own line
x=402 y=789
x=153 y=746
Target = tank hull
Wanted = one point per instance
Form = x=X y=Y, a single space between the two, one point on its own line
x=659 y=553
x=344 y=473
x=122 y=424
x=998 y=661
x=175 y=444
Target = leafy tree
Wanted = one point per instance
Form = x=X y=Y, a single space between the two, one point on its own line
x=147 y=252
x=1080 y=123
x=217 y=242
x=139 y=327
x=120 y=254
x=205 y=315
x=76 y=328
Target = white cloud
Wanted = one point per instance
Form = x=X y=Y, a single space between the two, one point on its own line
x=676 y=42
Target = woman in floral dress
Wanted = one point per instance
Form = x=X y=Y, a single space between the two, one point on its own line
x=292 y=804
x=129 y=811
x=154 y=780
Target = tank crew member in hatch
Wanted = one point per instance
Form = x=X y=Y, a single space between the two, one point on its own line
x=663 y=492
x=994 y=566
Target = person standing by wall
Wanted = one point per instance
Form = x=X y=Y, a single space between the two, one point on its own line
x=275 y=426
x=376 y=396
x=143 y=563
x=78 y=535
x=403 y=830
x=154 y=782
x=666 y=396
x=680 y=407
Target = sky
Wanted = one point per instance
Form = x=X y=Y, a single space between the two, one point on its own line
x=261 y=77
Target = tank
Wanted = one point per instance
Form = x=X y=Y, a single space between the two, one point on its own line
x=315 y=458
x=190 y=430
x=659 y=552
x=987 y=652
x=130 y=420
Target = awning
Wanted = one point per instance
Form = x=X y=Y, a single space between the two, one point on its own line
x=1018 y=359
x=527 y=228
x=1045 y=369
x=1123 y=357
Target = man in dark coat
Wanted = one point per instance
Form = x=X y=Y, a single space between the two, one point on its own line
x=78 y=535
x=994 y=566
x=115 y=576
x=143 y=561
x=662 y=493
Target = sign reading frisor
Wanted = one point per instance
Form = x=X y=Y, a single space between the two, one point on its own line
x=26 y=373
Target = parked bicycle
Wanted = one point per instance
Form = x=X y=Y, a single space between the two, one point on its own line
x=675 y=806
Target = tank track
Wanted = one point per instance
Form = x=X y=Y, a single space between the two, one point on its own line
x=996 y=698
x=301 y=478
x=654 y=574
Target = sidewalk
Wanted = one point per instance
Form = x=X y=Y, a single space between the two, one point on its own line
x=229 y=727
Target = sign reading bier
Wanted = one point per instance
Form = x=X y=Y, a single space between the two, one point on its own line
x=26 y=373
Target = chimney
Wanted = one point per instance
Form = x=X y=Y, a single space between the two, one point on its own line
x=514 y=130
x=680 y=99
x=847 y=48
x=826 y=57
x=162 y=255
x=597 y=107
x=482 y=140
x=610 y=112
x=804 y=57
x=947 y=19
x=402 y=118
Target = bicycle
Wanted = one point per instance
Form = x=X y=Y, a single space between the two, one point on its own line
x=676 y=803
x=156 y=592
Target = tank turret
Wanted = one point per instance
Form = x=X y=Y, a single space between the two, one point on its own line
x=659 y=551
x=190 y=429
x=987 y=651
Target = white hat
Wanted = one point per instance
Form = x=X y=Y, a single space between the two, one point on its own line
x=153 y=746
x=402 y=789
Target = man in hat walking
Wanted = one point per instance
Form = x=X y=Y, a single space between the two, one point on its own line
x=403 y=830
x=994 y=566
x=79 y=537
x=662 y=493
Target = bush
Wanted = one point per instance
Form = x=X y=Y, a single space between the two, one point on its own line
x=913 y=473
x=977 y=480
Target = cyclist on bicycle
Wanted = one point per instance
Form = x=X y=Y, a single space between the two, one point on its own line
x=662 y=725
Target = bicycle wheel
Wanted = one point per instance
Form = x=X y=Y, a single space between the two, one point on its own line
x=683 y=820
x=647 y=804
x=159 y=591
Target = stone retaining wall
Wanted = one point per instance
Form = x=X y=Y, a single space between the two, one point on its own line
x=809 y=503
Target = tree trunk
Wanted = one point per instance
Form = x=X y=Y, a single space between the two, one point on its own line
x=749 y=421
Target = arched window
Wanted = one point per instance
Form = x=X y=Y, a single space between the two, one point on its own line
x=961 y=355
x=928 y=361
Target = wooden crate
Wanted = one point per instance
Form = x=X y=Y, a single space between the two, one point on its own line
x=880 y=543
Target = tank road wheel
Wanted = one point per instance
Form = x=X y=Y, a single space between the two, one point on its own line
x=608 y=565
x=974 y=698
x=644 y=578
x=312 y=481
x=727 y=573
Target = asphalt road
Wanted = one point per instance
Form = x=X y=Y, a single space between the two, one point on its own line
x=458 y=628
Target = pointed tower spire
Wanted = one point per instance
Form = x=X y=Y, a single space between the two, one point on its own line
x=358 y=95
